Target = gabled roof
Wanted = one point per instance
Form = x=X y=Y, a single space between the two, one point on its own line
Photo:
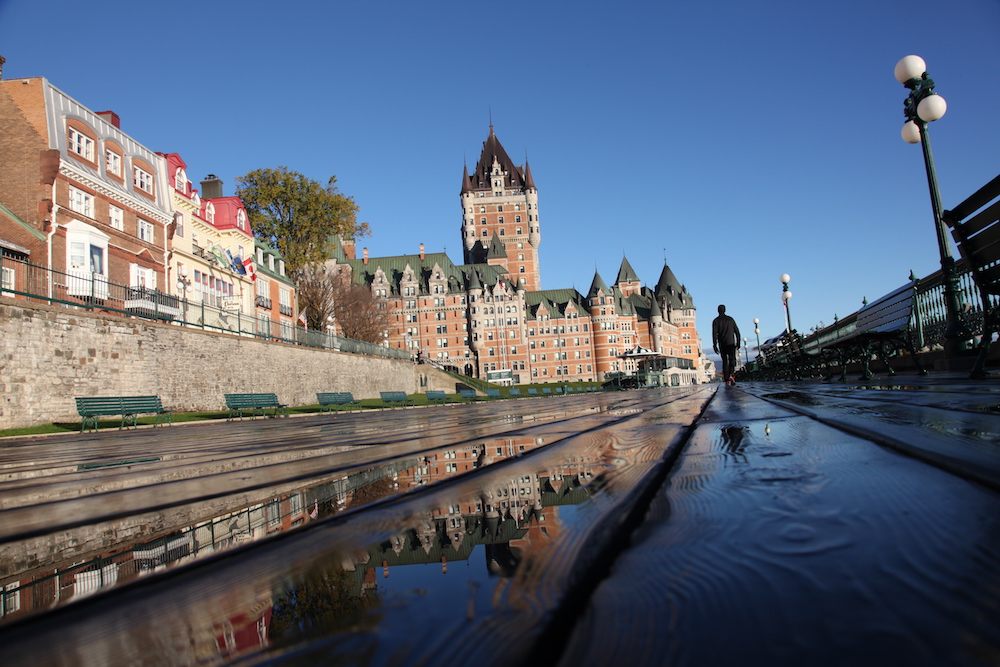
x=557 y=302
x=497 y=249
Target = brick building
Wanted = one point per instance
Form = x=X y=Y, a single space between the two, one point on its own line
x=118 y=226
x=489 y=317
x=80 y=196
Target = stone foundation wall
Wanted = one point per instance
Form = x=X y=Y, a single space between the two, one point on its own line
x=51 y=354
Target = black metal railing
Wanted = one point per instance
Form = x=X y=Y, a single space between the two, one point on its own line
x=83 y=289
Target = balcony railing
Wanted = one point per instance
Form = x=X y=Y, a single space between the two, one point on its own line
x=262 y=302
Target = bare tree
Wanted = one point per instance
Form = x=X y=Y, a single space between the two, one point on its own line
x=316 y=286
x=328 y=295
x=358 y=313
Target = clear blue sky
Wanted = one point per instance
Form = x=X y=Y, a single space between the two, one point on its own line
x=737 y=140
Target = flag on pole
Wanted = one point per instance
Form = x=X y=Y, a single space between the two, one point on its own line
x=302 y=316
x=250 y=270
x=217 y=253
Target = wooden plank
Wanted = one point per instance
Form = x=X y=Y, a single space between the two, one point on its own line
x=791 y=542
x=976 y=201
x=600 y=478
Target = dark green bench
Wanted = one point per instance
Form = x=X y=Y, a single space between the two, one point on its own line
x=975 y=225
x=468 y=395
x=337 y=400
x=883 y=328
x=395 y=399
x=532 y=391
x=255 y=404
x=93 y=407
x=493 y=393
x=515 y=392
x=436 y=397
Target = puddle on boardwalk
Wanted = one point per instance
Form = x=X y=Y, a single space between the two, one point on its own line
x=455 y=555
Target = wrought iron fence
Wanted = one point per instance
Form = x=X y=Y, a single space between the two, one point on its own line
x=95 y=292
x=929 y=314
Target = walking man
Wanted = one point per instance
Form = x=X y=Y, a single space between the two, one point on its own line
x=725 y=341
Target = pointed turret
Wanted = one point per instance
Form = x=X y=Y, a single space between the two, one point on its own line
x=626 y=274
x=597 y=286
x=529 y=180
x=466 y=181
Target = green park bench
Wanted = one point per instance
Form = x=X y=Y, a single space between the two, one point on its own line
x=255 y=404
x=337 y=400
x=882 y=328
x=435 y=397
x=493 y=393
x=468 y=395
x=395 y=399
x=515 y=393
x=532 y=391
x=90 y=408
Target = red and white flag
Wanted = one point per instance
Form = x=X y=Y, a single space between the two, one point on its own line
x=251 y=270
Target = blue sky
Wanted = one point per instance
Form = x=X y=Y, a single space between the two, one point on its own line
x=736 y=140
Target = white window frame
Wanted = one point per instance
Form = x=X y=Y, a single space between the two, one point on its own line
x=79 y=143
x=145 y=230
x=180 y=180
x=112 y=162
x=142 y=179
x=140 y=276
x=81 y=202
x=116 y=217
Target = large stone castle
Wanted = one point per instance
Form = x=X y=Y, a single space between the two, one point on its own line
x=488 y=317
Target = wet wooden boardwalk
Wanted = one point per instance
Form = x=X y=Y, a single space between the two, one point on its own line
x=769 y=523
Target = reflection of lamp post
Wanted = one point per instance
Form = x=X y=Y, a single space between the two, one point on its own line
x=786 y=295
x=921 y=107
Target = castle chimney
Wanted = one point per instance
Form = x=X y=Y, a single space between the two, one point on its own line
x=211 y=187
x=421 y=251
x=364 y=257
x=111 y=117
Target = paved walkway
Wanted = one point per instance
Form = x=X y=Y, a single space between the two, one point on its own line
x=768 y=523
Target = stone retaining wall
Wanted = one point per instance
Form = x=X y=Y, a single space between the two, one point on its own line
x=51 y=354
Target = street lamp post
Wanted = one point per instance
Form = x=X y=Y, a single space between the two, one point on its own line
x=756 y=330
x=786 y=295
x=746 y=354
x=923 y=106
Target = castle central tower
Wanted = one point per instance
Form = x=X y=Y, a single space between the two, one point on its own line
x=500 y=215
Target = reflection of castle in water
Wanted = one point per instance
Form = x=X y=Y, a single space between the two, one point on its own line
x=510 y=520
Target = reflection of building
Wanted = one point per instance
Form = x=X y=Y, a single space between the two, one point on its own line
x=490 y=318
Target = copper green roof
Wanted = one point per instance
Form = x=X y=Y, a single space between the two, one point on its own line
x=597 y=285
x=626 y=274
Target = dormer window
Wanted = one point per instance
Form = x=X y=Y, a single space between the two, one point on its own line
x=142 y=179
x=241 y=219
x=210 y=212
x=180 y=180
x=80 y=144
x=112 y=162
